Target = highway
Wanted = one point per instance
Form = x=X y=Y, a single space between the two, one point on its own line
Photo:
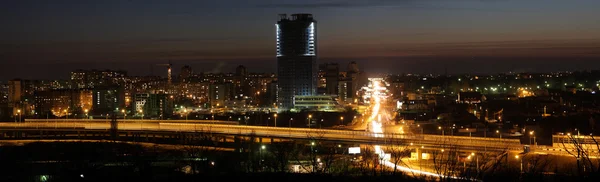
x=465 y=143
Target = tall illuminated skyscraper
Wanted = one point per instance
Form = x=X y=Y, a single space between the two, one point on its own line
x=296 y=57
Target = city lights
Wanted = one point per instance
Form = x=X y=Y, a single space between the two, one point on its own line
x=392 y=96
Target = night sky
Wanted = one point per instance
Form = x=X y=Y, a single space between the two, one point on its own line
x=47 y=39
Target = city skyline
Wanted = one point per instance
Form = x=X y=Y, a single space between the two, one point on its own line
x=311 y=90
x=411 y=36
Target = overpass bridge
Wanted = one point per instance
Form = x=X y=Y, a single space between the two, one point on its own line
x=173 y=129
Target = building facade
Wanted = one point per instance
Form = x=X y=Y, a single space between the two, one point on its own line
x=159 y=106
x=63 y=102
x=93 y=78
x=219 y=93
x=296 y=57
x=332 y=76
x=107 y=99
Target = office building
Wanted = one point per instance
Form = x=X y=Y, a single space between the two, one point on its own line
x=319 y=102
x=296 y=57
x=345 y=91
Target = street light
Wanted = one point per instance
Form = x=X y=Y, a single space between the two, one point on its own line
x=309 y=118
x=186 y=115
x=213 y=115
x=290 y=122
x=19 y=111
x=320 y=123
x=469 y=132
x=66 y=114
x=498 y=132
x=531 y=133
x=142 y=113
x=521 y=162
x=86 y=114
x=124 y=114
x=342 y=119
x=476 y=160
x=440 y=128
x=275 y=116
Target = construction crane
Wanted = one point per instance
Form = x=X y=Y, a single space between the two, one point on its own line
x=169 y=78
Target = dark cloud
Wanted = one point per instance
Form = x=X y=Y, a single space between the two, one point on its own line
x=335 y=4
x=404 y=4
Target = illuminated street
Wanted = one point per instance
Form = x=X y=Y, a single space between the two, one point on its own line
x=378 y=117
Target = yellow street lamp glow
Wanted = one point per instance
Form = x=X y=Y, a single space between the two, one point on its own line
x=275 y=115
x=123 y=111
x=439 y=127
x=85 y=110
x=516 y=157
x=531 y=133
x=497 y=131
x=310 y=116
x=19 y=111
x=473 y=153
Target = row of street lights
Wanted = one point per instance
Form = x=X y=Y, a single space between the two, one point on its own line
x=497 y=132
x=86 y=112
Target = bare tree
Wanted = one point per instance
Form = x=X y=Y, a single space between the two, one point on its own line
x=198 y=146
x=367 y=160
x=398 y=150
x=586 y=150
x=282 y=153
x=446 y=163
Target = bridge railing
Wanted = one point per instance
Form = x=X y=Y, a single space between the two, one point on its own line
x=43 y=125
x=128 y=120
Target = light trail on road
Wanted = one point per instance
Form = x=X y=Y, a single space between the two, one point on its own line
x=377 y=130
